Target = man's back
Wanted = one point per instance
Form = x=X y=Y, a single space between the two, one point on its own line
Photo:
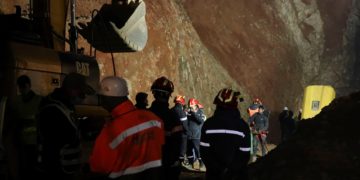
x=57 y=129
x=132 y=139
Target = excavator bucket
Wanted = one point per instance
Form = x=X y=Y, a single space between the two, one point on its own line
x=117 y=28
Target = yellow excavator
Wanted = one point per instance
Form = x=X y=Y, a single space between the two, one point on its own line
x=35 y=46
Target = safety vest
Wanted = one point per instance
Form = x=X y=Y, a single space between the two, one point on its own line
x=129 y=144
x=26 y=113
x=70 y=152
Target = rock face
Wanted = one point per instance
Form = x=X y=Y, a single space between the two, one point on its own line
x=266 y=49
x=174 y=50
x=274 y=49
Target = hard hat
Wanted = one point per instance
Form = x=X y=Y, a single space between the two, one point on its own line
x=193 y=102
x=163 y=84
x=227 y=98
x=114 y=86
x=286 y=108
x=257 y=101
x=179 y=99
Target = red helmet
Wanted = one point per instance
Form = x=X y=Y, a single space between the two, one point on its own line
x=193 y=102
x=257 y=101
x=227 y=98
x=180 y=99
x=163 y=84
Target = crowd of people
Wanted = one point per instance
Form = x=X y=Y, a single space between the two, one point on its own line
x=137 y=141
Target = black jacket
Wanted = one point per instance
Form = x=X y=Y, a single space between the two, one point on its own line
x=225 y=141
x=58 y=133
x=195 y=123
x=287 y=124
x=259 y=121
x=171 y=148
x=181 y=116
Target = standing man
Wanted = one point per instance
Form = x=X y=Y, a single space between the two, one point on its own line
x=162 y=89
x=259 y=125
x=225 y=140
x=129 y=145
x=26 y=108
x=180 y=113
x=196 y=121
x=287 y=124
x=59 y=140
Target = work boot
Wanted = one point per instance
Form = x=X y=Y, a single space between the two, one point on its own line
x=253 y=158
x=185 y=164
x=196 y=165
x=202 y=166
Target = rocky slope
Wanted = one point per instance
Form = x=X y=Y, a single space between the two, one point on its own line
x=324 y=147
x=267 y=49
x=174 y=50
x=276 y=48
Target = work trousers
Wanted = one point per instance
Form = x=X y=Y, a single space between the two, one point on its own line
x=193 y=151
x=262 y=142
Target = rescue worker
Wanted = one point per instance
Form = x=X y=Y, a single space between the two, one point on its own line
x=254 y=107
x=25 y=110
x=141 y=100
x=59 y=140
x=162 y=89
x=225 y=140
x=196 y=121
x=287 y=124
x=259 y=125
x=179 y=110
x=129 y=145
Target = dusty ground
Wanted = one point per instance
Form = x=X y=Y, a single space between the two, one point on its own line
x=187 y=175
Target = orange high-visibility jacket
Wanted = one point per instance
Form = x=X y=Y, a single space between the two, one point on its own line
x=129 y=144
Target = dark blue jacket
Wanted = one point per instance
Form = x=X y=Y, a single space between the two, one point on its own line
x=225 y=143
x=181 y=116
x=195 y=123
x=259 y=121
x=171 y=148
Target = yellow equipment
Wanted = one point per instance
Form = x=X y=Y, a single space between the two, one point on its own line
x=315 y=98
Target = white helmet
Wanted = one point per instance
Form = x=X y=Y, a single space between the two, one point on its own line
x=114 y=86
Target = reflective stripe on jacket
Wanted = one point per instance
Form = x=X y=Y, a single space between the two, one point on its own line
x=129 y=144
x=59 y=140
x=225 y=140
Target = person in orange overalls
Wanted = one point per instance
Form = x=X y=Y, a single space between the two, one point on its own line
x=129 y=145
